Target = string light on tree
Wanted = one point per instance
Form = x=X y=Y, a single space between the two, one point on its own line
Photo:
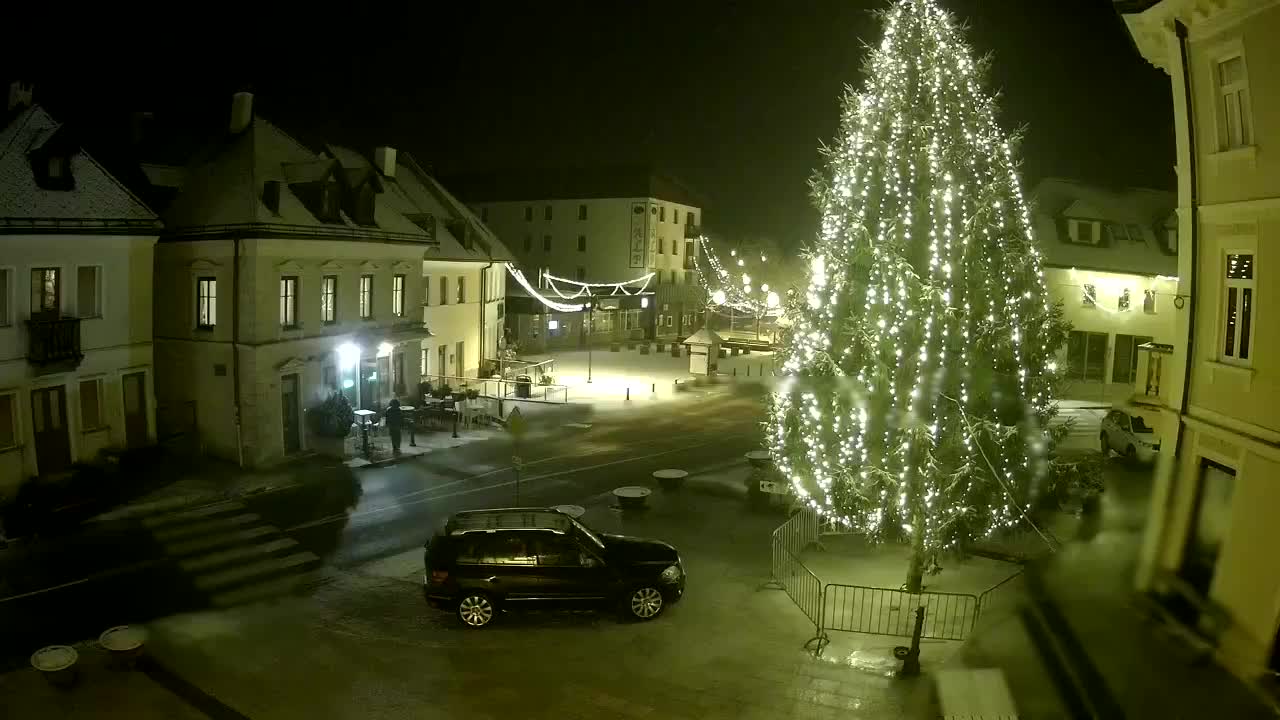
x=922 y=344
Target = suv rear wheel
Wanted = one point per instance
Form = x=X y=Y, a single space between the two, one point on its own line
x=475 y=610
x=645 y=602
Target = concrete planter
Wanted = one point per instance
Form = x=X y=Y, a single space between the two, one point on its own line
x=57 y=663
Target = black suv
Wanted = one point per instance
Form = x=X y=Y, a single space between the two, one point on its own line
x=489 y=560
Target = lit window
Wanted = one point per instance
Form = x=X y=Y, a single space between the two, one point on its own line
x=1237 y=312
x=206 y=302
x=462 y=289
x=1234 y=124
x=366 y=297
x=1123 y=303
x=1090 y=295
x=1149 y=302
x=397 y=295
x=46 y=291
x=329 y=299
x=289 y=302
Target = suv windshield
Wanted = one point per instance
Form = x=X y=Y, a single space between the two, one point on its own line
x=582 y=529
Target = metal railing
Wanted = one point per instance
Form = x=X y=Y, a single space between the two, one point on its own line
x=881 y=611
x=790 y=575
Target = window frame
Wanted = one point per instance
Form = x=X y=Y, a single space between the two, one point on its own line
x=444 y=289
x=582 y=243
x=329 y=299
x=398 y=288
x=207 y=301
x=1095 y=232
x=1239 y=90
x=460 y=290
x=58 y=290
x=99 y=396
x=8 y=274
x=98 y=294
x=546 y=213
x=289 y=302
x=1149 y=302
x=1089 y=295
x=582 y=211
x=528 y=213
x=366 y=296
x=14 y=423
x=1243 y=332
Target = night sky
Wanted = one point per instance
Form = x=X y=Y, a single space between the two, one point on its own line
x=732 y=97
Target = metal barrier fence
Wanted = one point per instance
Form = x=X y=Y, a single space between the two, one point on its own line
x=790 y=575
x=881 y=611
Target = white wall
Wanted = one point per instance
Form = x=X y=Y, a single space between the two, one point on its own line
x=116 y=342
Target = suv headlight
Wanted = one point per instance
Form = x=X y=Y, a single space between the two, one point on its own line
x=671 y=574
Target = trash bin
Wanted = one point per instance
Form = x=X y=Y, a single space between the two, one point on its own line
x=524 y=386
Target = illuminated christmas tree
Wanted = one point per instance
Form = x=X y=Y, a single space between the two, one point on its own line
x=922 y=349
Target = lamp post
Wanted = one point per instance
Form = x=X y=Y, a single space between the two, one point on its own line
x=591 y=326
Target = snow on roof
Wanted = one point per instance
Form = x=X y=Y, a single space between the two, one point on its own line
x=96 y=195
x=1055 y=200
x=704 y=336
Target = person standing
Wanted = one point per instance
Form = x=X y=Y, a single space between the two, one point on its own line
x=395 y=418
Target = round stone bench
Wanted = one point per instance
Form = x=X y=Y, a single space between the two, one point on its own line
x=670 y=478
x=631 y=497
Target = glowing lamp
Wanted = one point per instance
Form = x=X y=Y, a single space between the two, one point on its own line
x=718 y=297
x=644 y=302
x=772 y=300
x=384 y=349
x=348 y=355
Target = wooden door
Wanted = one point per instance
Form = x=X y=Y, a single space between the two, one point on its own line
x=290 y=424
x=49 y=426
x=135 y=409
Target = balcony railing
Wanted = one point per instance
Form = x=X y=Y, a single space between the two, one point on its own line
x=53 y=340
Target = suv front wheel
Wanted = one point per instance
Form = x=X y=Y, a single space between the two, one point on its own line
x=475 y=610
x=645 y=602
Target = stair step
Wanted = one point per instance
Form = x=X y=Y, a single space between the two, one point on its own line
x=263 y=590
x=203 y=544
x=230 y=576
x=222 y=557
x=155 y=521
x=207 y=526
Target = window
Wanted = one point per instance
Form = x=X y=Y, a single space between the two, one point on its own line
x=206 y=302
x=582 y=212
x=688 y=254
x=1087 y=356
x=1237 y=327
x=546 y=243
x=557 y=550
x=6 y=282
x=397 y=373
x=397 y=295
x=669 y=318
x=426 y=290
x=1212 y=519
x=546 y=212
x=8 y=422
x=662 y=213
x=329 y=299
x=582 y=274
x=582 y=243
x=484 y=214
x=1083 y=232
x=366 y=297
x=46 y=291
x=528 y=243
x=1124 y=368
x=1089 y=295
x=424 y=363
x=91 y=405
x=89 y=291
x=1234 y=124
x=675 y=248
x=462 y=289
x=1118 y=233
x=673 y=277
x=528 y=213
x=691 y=219
x=675 y=215
x=289 y=302
x=1122 y=303
x=502 y=309
x=444 y=291
x=662 y=246
x=508 y=548
x=1136 y=234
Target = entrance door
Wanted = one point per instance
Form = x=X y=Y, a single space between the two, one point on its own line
x=289 y=425
x=49 y=425
x=135 y=409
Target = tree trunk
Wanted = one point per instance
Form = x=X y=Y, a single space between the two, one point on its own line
x=915 y=569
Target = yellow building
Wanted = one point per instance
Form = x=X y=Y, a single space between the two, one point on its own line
x=1212 y=536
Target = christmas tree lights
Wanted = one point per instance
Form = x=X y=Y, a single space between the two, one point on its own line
x=921 y=350
x=734 y=290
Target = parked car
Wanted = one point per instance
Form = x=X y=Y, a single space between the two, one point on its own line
x=488 y=561
x=1128 y=435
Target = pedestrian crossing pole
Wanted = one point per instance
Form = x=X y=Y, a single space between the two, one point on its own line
x=516 y=426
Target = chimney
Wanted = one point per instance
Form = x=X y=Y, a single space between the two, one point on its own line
x=19 y=95
x=385 y=159
x=241 y=112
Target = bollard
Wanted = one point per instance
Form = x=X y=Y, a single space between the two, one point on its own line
x=653 y=388
x=455 y=422
x=910 y=656
x=748 y=371
x=628 y=393
x=735 y=372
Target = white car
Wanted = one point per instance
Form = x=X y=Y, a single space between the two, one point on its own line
x=1128 y=435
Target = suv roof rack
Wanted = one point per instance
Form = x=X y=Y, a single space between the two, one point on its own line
x=537 y=518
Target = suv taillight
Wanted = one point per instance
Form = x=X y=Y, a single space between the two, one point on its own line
x=439 y=576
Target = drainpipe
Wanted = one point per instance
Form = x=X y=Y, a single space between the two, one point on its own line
x=484 y=307
x=235 y=345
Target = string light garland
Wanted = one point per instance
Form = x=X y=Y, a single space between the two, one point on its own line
x=732 y=294
x=533 y=292
x=628 y=288
x=921 y=351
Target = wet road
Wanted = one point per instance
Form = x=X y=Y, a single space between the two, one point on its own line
x=130 y=571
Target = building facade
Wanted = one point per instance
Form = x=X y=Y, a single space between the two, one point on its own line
x=287 y=274
x=75 y=310
x=1110 y=259
x=598 y=227
x=1212 y=521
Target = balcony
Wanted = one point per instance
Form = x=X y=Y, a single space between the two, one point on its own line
x=53 y=340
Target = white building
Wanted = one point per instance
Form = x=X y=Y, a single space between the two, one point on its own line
x=1110 y=258
x=75 y=303
x=599 y=226
x=1212 y=531
x=287 y=273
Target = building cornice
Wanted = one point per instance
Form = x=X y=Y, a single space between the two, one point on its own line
x=277 y=231
x=1152 y=28
x=65 y=226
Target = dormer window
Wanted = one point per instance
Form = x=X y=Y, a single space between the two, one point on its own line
x=330 y=202
x=53 y=170
x=1084 y=232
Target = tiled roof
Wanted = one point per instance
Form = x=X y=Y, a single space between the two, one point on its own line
x=1055 y=199
x=97 y=197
